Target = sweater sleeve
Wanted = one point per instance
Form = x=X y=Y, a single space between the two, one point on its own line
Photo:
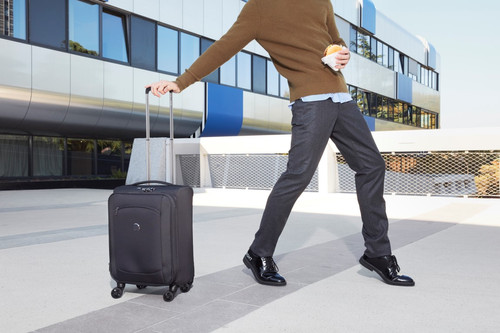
x=243 y=31
x=332 y=27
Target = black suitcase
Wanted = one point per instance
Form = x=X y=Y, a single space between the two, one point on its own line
x=151 y=232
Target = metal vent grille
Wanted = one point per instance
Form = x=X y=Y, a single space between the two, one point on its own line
x=252 y=171
x=435 y=173
x=190 y=169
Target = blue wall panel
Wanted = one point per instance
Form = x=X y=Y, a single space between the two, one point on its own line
x=368 y=16
x=370 y=121
x=404 y=88
x=224 y=111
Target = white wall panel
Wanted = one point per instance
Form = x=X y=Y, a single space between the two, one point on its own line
x=118 y=98
x=127 y=5
x=230 y=12
x=212 y=21
x=50 y=90
x=15 y=64
x=366 y=74
x=148 y=8
x=171 y=12
x=425 y=97
x=192 y=16
x=86 y=97
x=394 y=35
x=15 y=82
x=347 y=9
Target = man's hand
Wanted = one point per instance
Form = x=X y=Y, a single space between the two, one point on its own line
x=162 y=87
x=343 y=56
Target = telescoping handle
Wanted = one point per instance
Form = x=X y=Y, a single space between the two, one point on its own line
x=148 y=136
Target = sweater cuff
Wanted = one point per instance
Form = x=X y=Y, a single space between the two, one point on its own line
x=186 y=79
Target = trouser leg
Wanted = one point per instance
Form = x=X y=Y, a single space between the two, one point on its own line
x=355 y=142
x=312 y=125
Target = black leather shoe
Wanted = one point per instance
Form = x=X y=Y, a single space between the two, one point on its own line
x=264 y=269
x=387 y=267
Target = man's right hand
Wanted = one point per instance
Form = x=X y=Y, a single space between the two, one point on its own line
x=162 y=87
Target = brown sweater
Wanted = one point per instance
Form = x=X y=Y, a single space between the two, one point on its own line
x=295 y=33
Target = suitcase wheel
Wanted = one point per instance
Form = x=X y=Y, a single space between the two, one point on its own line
x=168 y=296
x=140 y=286
x=116 y=292
x=185 y=287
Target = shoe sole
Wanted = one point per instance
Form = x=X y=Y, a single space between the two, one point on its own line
x=372 y=268
x=255 y=274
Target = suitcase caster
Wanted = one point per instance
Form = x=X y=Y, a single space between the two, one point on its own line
x=186 y=287
x=168 y=296
x=117 y=292
x=171 y=293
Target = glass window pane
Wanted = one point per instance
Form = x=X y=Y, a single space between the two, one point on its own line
x=84 y=27
x=48 y=22
x=284 y=89
x=143 y=41
x=80 y=157
x=390 y=59
x=385 y=55
x=190 y=50
x=168 y=50
x=214 y=76
x=363 y=47
x=259 y=74
x=380 y=52
x=114 y=37
x=272 y=79
x=13 y=18
x=48 y=156
x=353 y=40
x=13 y=156
x=244 y=67
x=228 y=72
x=109 y=158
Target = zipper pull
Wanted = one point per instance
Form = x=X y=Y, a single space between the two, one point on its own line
x=116 y=210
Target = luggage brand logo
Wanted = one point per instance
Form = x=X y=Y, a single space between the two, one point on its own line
x=136 y=227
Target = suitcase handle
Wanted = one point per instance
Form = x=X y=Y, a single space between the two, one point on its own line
x=148 y=130
x=151 y=182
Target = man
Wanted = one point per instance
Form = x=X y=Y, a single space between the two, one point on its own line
x=295 y=33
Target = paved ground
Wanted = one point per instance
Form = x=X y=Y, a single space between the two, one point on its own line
x=54 y=268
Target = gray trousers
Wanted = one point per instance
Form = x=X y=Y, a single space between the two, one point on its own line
x=313 y=123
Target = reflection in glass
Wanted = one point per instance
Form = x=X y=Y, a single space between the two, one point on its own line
x=84 y=27
x=272 y=79
x=284 y=89
x=258 y=74
x=228 y=72
x=14 y=151
x=244 y=74
x=143 y=43
x=48 y=156
x=48 y=23
x=363 y=47
x=109 y=158
x=214 y=76
x=114 y=36
x=168 y=53
x=353 y=37
x=190 y=50
x=80 y=157
x=13 y=13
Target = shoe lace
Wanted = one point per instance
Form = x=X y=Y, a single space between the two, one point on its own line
x=393 y=266
x=269 y=264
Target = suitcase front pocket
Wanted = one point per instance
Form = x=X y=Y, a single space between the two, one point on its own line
x=137 y=241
